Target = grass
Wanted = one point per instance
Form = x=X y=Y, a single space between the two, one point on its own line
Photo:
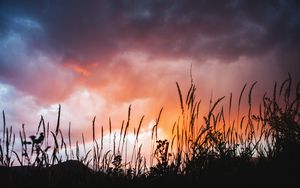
x=215 y=150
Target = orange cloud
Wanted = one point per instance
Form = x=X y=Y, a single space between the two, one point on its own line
x=77 y=68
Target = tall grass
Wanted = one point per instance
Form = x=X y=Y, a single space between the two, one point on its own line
x=271 y=133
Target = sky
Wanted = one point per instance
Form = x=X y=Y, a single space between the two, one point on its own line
x=95 y=58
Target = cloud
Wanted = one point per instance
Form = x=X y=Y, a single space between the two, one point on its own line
x=200 y=30
x=124 y=52
x=31 y=70
x=19 y=108
x=197 y=29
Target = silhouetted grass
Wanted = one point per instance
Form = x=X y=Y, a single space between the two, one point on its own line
x=261 y=148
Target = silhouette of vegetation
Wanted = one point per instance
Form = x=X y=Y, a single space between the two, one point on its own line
x=261 y=147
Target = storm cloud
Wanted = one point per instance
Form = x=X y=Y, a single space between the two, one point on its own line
x=196 y=29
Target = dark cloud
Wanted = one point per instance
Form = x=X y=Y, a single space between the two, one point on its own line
x=197 y=29
x=99 y=30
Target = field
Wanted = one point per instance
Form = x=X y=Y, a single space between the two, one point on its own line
x=259 y=148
